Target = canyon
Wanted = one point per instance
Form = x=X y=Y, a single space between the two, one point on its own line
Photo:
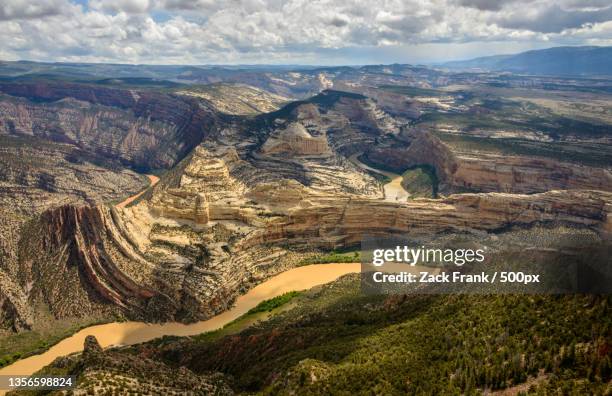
x=247 y=184
x=143 y=129
x=129 y=333
x=460 y=170
x=259 y=195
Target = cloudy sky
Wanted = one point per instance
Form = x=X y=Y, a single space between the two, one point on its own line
x=293 y=31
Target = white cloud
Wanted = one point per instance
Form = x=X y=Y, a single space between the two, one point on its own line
x=129 y=6
x=25 y=9
x=293 y=31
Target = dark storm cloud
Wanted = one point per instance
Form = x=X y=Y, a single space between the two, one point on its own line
x=338 y=22
x=406 y=27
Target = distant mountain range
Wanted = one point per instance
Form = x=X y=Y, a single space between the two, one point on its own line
x=558 y=61
x=571 y=61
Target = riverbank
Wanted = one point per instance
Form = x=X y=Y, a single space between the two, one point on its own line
x=128 y=333
x=47 y=332
x=393 y=190
x=152 y=181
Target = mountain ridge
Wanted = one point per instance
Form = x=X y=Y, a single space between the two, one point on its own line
x=567 y=60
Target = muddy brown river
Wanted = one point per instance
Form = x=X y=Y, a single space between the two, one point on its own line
x=393 y=190
x=152 y=181
x=127 y=333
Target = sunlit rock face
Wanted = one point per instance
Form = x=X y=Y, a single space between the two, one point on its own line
x=184 y=255
x=488 y=172
x=294 y=140
x=236 y=99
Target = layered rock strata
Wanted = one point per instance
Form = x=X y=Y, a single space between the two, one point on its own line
x=488 y=172
x=36 y=175
x=257 y=197
x=189 y=250
x=144 y=129
x=336 y=223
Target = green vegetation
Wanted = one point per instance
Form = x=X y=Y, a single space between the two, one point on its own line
x=262 y=311
x=382 y=179
x=582 y=153
x=27 y=343
x=566 y=86
x=334 y=339
x=421 y=181
x=325 y=99
x=275 y=302
x=490 y=112
x=468 y=121
x=333 y=257
x=136 y=82
x=338 y=341
x=383 y=167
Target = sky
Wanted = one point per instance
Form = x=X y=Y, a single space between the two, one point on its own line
x=318 y=32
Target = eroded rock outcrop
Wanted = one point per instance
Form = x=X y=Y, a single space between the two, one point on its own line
x=146 y=129
x=336 y=223
x=36 y=175
x=112 y=371
x=237 y=99
x=488 y=172
x=295 y=140
x=86 y=270
x=165 y=258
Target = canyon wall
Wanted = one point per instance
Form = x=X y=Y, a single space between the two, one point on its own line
x=233 y=213
x=488 y=172
x=337 y=223
x=144 y=129
x=185 y=266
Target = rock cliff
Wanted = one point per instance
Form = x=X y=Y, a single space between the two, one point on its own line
x=37 y=175
x=487 y=172
x=186 y=253
x=145 y=129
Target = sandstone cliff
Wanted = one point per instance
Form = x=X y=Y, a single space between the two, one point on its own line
x=37 y=175
x=336 y=223
x=187 y=251
x=487 y=172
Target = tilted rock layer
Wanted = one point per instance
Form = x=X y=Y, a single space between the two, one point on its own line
x=189 y=250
